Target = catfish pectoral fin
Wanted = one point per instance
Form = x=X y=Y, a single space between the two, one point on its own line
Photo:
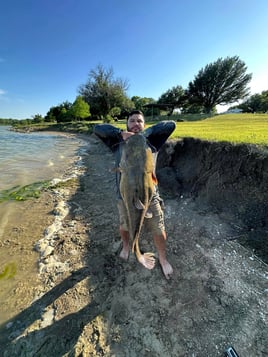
x=139 y=204
x=148 y=214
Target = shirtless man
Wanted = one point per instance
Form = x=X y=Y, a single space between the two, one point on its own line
x=156 y=136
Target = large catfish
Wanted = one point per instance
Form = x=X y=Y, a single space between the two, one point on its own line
x=137 y=185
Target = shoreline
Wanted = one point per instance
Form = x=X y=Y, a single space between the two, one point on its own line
x=48 y=263
x=37 y=243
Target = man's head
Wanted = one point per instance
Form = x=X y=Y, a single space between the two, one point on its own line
x=135 y=122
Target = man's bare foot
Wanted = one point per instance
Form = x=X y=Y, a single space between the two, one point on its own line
x=167 y=269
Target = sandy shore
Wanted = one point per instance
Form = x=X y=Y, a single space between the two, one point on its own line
x=31 y=229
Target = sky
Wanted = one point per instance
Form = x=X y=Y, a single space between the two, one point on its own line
x=48 y=47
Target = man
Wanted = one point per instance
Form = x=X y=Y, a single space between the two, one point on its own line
x=156 y=136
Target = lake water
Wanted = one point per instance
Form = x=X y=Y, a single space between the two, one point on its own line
x=29 y=158
x=26 y=158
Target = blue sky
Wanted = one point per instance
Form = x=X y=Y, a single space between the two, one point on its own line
x=48 y=47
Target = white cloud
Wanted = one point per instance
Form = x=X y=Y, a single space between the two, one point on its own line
x=3 y=96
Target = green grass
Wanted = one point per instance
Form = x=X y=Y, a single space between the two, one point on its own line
x=234 y=128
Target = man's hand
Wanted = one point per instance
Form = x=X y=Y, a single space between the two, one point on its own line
x=126 y=134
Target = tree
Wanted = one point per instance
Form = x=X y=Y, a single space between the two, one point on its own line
x=192 y=108
x=264 y=101
x=255 y=103
x=174 y=98
x=140 y=102
x=222 y=82
x=59 y=113
x=79 y=109
x=37 y=118
x=103 y=92
x=115 y=112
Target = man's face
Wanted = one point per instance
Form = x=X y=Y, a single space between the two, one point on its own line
x=135 y=123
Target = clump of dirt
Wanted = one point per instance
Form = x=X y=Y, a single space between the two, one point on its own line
x=101 y=306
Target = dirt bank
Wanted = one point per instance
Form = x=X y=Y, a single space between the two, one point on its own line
x=100 y=306
x=229 y=180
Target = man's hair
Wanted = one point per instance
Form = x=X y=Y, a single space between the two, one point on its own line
x=136 y=111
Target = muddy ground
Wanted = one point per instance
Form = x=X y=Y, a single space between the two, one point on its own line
x=90 y=303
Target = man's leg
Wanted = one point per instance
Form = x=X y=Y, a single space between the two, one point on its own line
x=157 y=226
x=160 y=244
x=125 y=239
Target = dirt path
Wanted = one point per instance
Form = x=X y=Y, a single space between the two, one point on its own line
x=93 y=304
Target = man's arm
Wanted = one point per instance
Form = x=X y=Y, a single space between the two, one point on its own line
x=110 y=135
x=158 y=134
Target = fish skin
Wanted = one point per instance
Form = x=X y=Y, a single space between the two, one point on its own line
x=137 y=185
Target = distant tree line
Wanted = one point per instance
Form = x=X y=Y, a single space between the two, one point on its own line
x=65 y=112
x=104 y=97
x=257 y=103
x=7 y=121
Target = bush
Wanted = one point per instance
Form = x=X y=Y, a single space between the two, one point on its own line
x=108 y=119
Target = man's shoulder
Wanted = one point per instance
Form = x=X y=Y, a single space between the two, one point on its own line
x=162 y=127
x=167 y=123
x=158 y=133
x=109 y=134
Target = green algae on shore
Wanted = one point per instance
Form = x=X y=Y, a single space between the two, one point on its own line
x=33 y=190
x=9 y=271
x=23 y=193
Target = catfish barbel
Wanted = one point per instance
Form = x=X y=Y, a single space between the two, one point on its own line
x=137 y=186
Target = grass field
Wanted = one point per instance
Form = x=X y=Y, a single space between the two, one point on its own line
x=234 y=128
